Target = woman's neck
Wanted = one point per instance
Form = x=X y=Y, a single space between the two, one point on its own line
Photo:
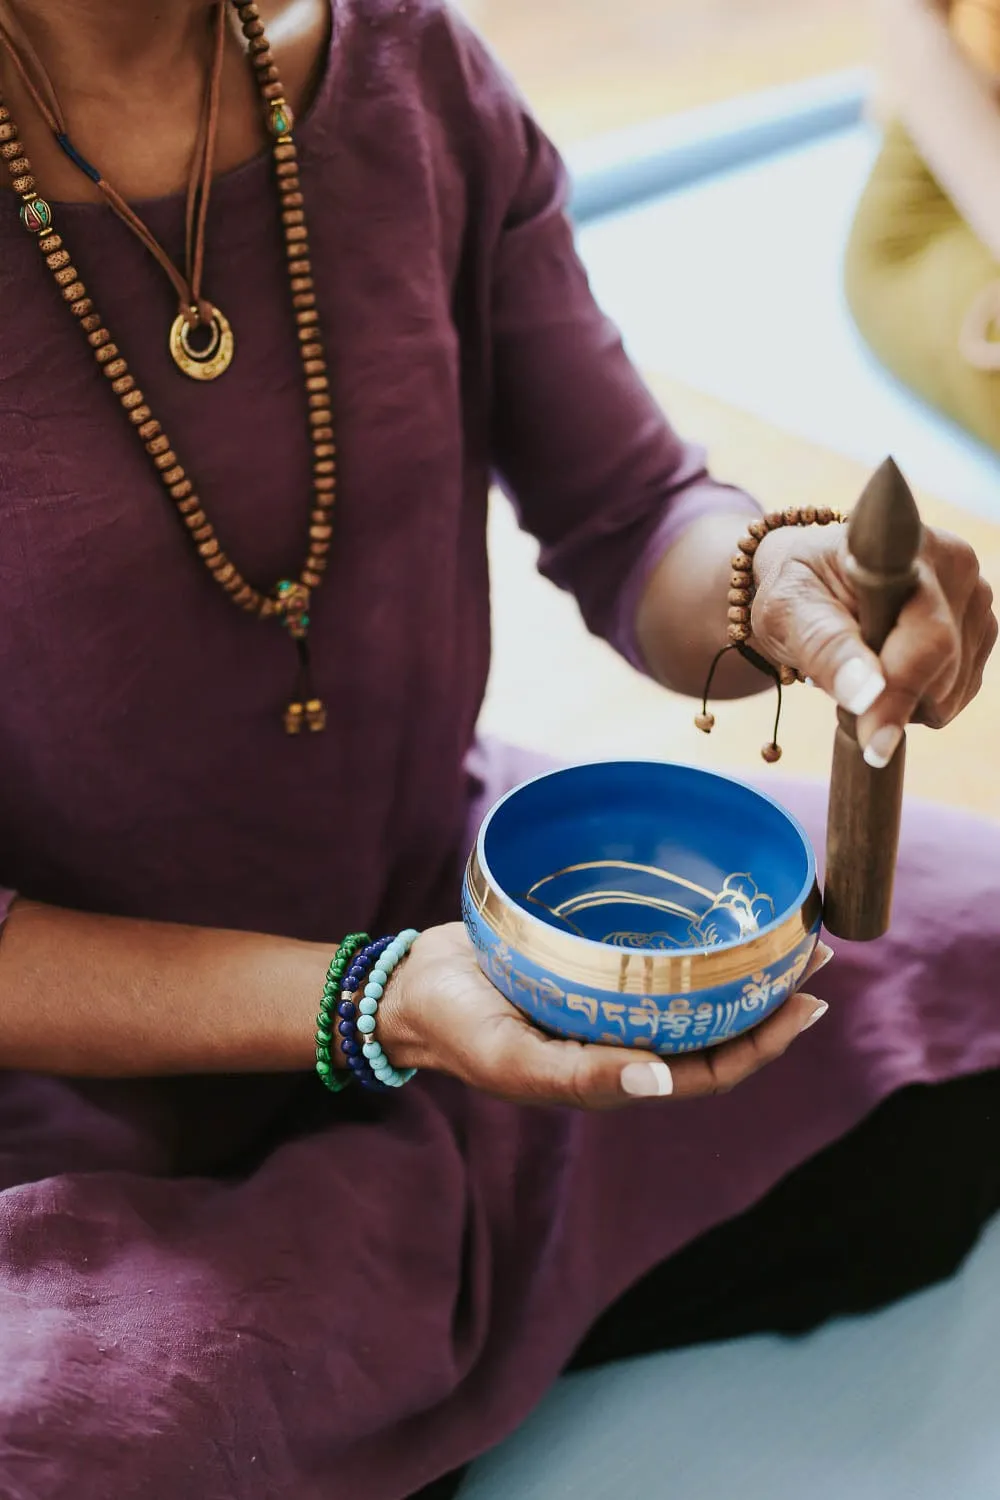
x=130 y=78
x=87 y=44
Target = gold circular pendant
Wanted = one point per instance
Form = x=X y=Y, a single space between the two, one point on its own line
x=208 y=363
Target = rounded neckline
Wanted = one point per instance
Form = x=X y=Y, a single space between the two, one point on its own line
x=307 y=128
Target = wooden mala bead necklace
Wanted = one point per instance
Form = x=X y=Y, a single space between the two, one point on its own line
x=742 y=589
x=288 y=603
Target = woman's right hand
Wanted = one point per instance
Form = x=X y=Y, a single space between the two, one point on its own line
x=440 y=1013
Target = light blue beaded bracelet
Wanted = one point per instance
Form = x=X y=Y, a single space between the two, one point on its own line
x=385 y=965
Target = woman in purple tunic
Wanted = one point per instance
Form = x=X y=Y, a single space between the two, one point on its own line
x=216 y=1277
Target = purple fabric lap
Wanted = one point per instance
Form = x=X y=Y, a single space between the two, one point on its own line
x=387 y=1294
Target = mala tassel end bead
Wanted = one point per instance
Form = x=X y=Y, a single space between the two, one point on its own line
x=705 y=722
x=771 y=753
x=294 y=717
x=315 y=712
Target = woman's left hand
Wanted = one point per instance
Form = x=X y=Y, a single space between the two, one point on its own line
x=805 y=616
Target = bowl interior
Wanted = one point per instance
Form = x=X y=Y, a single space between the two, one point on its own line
x=647 y=855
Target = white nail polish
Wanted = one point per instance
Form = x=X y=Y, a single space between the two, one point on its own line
x=817 y=1015
x=882 y=747
x=647 y=1080
x=857 y=686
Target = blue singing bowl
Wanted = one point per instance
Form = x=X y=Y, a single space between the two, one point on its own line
x=642 y=904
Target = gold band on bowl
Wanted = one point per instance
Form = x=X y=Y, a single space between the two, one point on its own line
x=623 y=971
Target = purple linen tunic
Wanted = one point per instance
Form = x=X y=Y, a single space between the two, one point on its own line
x=368 y=1294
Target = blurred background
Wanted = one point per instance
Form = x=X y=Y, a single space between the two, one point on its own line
x=594 y=65
x=728 y=287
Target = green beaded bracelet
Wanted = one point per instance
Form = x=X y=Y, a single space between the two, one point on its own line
x=326 y=1021
x=387 y=1075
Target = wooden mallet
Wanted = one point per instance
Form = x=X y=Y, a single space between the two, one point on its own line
x=883 y=537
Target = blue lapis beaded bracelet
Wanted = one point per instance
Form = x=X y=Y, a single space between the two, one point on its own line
x=369 y=969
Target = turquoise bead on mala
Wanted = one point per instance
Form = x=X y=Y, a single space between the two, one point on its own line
x=367 y=1023
x=326 y=1021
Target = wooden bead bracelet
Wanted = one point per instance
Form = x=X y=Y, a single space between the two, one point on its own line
x=742 y=589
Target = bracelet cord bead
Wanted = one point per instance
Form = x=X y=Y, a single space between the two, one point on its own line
x=362 y=981
x=325 y=1021
x=742 y=590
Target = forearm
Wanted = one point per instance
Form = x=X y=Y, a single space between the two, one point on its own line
x=683 y=614
x=949 y=107
x=108 y=997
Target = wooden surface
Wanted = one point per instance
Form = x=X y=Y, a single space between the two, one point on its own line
x=595 y=65
x=557 y=689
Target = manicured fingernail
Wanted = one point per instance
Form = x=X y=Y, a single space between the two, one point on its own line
x=823 y=957
x=647 y=1080
x=857 y=686
x=817 y=1015
x=882 y=746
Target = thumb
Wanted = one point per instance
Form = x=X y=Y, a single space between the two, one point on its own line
x=808 y=627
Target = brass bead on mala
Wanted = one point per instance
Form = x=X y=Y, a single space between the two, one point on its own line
x=739 y=628
x=290 y=601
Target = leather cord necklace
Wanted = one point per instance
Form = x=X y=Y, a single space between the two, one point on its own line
x=288 y=602
x=201 y=362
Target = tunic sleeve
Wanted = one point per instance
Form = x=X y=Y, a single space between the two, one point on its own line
x=593 y=467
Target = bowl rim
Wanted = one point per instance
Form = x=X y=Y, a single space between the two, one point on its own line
x=583 y=945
